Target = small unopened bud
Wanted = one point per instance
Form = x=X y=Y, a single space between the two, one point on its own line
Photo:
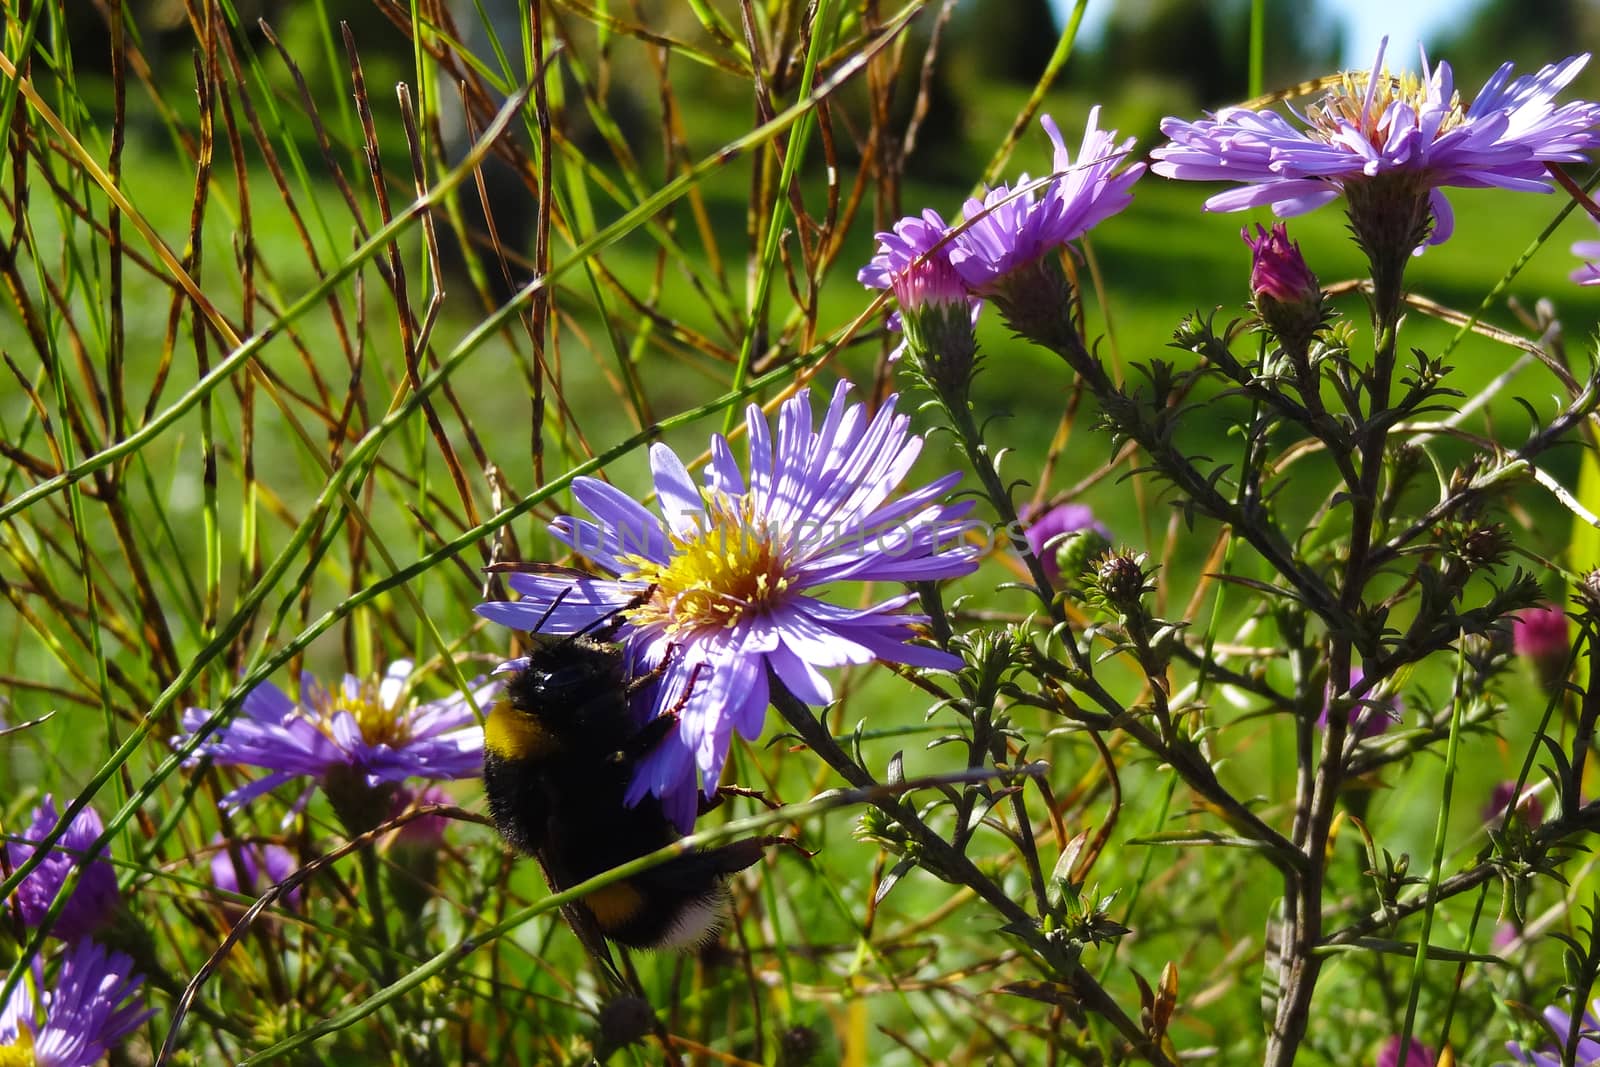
x=1120 y=581
x=1417 y=1055
x=1077 y=550
x=1287 y=296
x=1589 y=591
x=798 y=1046
x=1484 y=545
x=624 y=1021
x=882 y=829
x=1065 y=538
x=1539 y=635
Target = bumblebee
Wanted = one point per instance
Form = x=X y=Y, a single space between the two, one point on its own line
x=560 y=748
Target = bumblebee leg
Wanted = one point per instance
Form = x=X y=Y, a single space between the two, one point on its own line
x=727 y=859
x=713 y=802
x=656 y=730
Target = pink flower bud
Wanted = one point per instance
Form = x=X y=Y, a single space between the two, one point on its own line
x=1539 y=634
x=1287 y=295
x=1420 y=1055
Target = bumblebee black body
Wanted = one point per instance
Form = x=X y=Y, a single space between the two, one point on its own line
x=560 y=748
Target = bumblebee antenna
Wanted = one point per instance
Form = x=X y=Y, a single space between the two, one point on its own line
x=551 y=610
x=611 y=620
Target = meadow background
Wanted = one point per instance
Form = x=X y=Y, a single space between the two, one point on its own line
x=202 y=544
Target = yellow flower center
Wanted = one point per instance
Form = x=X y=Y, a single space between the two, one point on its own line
x=1346 y=105
x=729 y=567
x=18 y=1053
x=379 y=725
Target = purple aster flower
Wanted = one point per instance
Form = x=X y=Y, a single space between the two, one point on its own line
x=425 y=831
x=1010 y=229
x=1589 y=273
x=248 y=869
x=1540 y=635
x=718 y=592
x=1047 y=534
x=913 y=259
x=1373 y=127
x=362 y=729
x=93 y=900
x=1560 y=1022
x=1368 y=720
x=93 y=1005
x=1530 y=807
x=1418 y=1055
x=936 y=312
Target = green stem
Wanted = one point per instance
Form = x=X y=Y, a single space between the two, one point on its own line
x=1436 y=868
x=982 y=463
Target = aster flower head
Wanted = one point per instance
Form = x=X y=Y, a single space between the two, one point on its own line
x=1049 y=537
x=1365 y=718
x=93 y=1005
x=1530 y=808
x=366 y=733
x=1009 y=230
x=1389 y=145
x=913 y=260
x=1559 y=1020
x=248 y=869
x=95 y=898
x=1417 y=1055
x=1541 y=633
x=425 y=831
x=1589 y=252
x=937 y=313
x=720 y=590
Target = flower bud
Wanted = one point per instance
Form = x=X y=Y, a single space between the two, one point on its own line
x=1539 y=635
x=624 y=1021
x=1120 y=582
x=1589 y=591
x=1065 y=538
x=799 y=1046
x=1368 y=720
x=93 y=900
x=1287 y=295
x=1419 y=1055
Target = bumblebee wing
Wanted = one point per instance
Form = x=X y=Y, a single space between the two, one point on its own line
x=698 y=872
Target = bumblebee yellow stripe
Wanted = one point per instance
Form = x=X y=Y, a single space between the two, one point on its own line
x=614 y=905
x=514 y=735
